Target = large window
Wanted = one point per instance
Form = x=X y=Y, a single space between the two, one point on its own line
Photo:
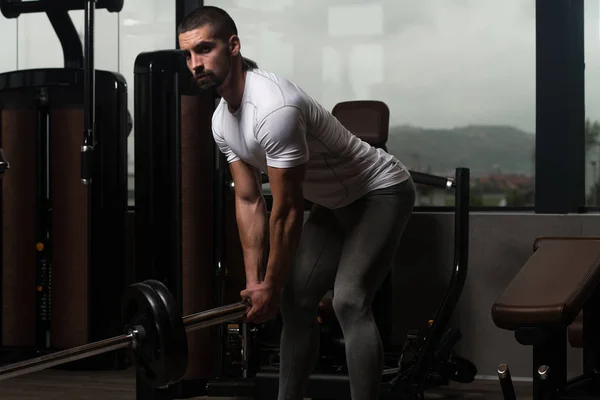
x=458 y=77
x=143 y=25
x=592 y=102
x=38 y=46
x=8 y=50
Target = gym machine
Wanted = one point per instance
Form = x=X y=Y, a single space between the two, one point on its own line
x=180 y=211
x=177 y=204
x=64 y=202
x=4 y=164
x=553 y=301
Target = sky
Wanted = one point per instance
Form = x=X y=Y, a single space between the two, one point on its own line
x=436 y=63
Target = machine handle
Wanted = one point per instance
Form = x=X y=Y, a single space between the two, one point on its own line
x=4 y=165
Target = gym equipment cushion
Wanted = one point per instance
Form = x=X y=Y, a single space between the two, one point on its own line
x=367 y=119
x=552 y=286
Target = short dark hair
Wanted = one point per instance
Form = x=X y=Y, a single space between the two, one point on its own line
x=223 y=26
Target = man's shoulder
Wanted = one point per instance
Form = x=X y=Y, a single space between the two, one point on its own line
x=217 y=116
x=218 y=113
x=267 y=79
x=271 y=92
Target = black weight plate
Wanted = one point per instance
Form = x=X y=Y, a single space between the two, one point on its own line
x=141 y=306
x=460 y=370
x=179 y=352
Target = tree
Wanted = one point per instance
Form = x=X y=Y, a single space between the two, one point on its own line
x=592 y=131
x=476 y=198
x=424 y=190
x=520 y=197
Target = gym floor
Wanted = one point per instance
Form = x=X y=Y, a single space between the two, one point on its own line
x=120 y=385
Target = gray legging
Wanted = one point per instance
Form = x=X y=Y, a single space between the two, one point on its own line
x=350 y=250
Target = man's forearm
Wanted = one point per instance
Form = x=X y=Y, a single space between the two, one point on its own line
x=252 y=226
x=285 y=229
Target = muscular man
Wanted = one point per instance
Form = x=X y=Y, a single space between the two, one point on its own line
x=362 y=199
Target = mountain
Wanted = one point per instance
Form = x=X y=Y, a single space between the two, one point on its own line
x=482 y=148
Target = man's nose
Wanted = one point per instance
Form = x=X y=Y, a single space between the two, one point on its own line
x=197 y=64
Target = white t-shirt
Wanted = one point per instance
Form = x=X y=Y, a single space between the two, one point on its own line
x=279 y=125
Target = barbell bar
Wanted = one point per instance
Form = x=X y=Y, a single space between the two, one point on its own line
x=155 y=332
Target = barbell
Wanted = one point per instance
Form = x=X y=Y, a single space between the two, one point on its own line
x=155 y=332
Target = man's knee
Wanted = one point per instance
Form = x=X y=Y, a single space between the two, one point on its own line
x=298 y=306
x=350 y=306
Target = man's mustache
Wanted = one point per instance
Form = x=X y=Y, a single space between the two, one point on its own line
x=202 y=74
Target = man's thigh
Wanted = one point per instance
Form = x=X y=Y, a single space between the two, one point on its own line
x=374 y=226
x=317 y=258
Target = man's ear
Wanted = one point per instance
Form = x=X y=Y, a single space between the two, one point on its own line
x=234 y=45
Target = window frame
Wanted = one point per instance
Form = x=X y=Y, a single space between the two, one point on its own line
x=560 y=107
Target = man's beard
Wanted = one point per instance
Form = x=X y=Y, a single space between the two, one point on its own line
x=210 y=82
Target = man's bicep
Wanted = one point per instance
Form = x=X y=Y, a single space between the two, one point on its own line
x=286 y=185
x=246 y=181
x=282 y=135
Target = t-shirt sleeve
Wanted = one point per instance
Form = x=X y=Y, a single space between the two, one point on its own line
x=282 y=135
x=224 y=148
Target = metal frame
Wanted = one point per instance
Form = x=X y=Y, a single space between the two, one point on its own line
x=549 y=345
x=43 y=210
x=60 y=86
x=157 y=205
x=108 y=203
x=68 y=37
x=560 y=107
x=160 y=79
x=89 y=94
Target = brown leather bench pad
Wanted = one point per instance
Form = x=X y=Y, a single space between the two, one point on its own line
x=552 y=286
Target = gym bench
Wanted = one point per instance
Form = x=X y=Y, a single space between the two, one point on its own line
x=552 y=301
